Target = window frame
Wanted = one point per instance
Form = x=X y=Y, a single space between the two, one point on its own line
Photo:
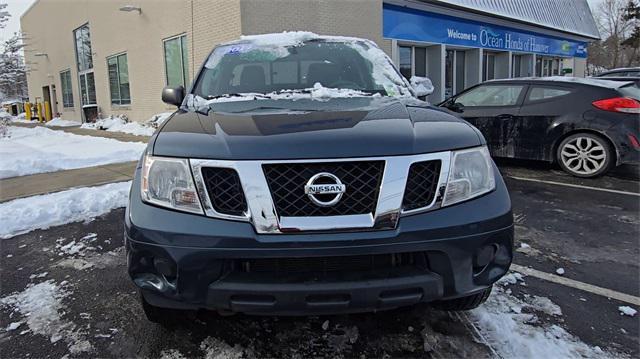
x=121 y=101
x=80 y=29
x=184 y=69
x=66 y=96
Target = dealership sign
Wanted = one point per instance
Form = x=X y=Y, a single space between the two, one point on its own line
x=410 y=24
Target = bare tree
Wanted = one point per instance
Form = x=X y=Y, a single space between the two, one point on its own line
x=616 y=27
x=4 y=15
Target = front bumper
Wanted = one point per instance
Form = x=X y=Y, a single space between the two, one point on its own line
x=187 y=261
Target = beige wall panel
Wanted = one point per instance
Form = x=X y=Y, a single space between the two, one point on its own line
x=360 y=18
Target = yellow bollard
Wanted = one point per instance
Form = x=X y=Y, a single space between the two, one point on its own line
x=39 y=107
x=27 y=111
x=47 y=111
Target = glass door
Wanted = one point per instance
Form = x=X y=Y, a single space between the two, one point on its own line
x=87 y=88
x=454 y=71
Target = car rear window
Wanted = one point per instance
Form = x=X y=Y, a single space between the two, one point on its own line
x=631 y=90
x=542 y=93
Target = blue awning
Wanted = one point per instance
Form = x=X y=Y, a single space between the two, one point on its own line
x=404 y=23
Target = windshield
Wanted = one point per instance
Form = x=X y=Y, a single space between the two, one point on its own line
x=353 y=67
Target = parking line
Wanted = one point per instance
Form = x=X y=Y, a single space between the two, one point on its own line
x=604 y=292
x=576 y=186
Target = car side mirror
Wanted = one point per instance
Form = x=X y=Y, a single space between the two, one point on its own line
x=456 y=107
x=422 y=86
x=173 y=95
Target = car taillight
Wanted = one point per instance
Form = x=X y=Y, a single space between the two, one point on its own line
x=618 y=104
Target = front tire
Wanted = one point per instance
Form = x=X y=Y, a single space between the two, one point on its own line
x=585 y=155
x=464 y=303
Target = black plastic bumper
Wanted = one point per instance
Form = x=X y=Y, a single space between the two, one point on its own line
x=188 y=261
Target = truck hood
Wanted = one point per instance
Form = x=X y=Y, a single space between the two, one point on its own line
x=286 y=129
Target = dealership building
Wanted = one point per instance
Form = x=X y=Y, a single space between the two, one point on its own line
x=92 y=59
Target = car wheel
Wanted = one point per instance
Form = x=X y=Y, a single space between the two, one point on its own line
x=585 y=155
x=464 y=303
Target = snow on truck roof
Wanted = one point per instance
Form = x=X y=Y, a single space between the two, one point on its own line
x=291 y=38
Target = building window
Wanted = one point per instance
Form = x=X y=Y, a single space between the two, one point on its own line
x=517 y=62
x=406 y=61
x=83 y=48
x=176 y=61
x=488 y=66
x=119 y=79
x=67 y=92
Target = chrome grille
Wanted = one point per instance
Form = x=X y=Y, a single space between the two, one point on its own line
x=287 y=180
x=422 y=185
x=225 y=191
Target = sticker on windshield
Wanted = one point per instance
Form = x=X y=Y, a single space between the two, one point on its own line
x=239 y=49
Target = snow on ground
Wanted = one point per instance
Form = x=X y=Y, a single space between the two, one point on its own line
x=4 y=114
x=42 y=308
x=27 y=151
x=514 y=330
x=80 y=204
x=626 y=310
x=57 y=121
x=21 y=118
x=118 y=124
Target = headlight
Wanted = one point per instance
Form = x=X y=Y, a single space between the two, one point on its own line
x=167 y=182
x=471 y=175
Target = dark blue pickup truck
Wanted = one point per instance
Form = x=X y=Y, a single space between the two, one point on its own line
x=302 y=175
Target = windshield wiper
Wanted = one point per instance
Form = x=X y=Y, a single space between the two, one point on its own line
x=247 y=94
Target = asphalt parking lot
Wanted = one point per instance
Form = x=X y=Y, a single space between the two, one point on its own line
x=589 y=228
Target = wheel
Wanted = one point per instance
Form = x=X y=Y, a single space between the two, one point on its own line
x=163 y=316
x=464 y=303
x=585 y=155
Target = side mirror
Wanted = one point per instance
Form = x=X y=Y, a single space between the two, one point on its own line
x=456 y=107
x=173 y=95
x=422 y=86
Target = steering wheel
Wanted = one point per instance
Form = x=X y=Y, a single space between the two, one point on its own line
x=345 y=84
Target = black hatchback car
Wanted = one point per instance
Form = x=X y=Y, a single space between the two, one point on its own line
x=587 y=126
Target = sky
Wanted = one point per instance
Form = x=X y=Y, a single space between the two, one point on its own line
x=17 y=7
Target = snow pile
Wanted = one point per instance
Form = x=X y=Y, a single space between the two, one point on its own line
x=158 y=119
x=4 y=114
x=41 y=306
x=58 y=122
x=41 y=212
x=626 y=310
x=512 y=333
x=120 y=124
x=21 y=118
x=37 y=150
